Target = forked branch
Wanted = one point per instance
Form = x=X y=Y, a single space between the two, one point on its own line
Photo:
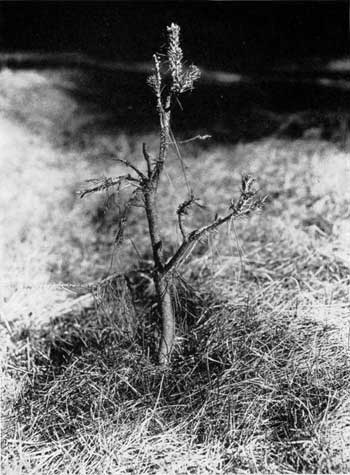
x=246 y=204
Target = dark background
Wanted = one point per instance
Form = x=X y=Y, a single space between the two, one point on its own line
x=245 y=37
x=216 y=34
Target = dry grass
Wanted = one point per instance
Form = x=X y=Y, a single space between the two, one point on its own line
x=260 y=380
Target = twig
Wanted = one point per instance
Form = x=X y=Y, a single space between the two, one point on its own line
x=197 y=137
x=183 y=165
x=182 y=210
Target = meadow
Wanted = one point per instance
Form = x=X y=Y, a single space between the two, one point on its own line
x=259 y=381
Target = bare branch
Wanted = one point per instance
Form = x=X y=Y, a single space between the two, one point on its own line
x=147 y=157
x=155 y=81
x=130 y=165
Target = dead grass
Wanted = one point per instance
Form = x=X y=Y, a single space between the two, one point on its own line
x=260 y=380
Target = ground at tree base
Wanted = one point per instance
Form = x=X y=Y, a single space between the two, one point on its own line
x=260 y=377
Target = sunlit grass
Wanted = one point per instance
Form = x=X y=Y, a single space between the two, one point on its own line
x=260 y=379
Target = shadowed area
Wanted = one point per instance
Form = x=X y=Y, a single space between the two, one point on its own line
x=230 y=107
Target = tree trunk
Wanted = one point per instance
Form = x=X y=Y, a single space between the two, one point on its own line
x=160 y=280
x=168 y=320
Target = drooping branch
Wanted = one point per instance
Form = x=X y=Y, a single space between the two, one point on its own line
x=102 y=184
x=119 y=237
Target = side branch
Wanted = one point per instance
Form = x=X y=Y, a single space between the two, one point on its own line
x=197 y=137
x=101 y=184
x=246 y=204
x=189 y=243
x=130 y=165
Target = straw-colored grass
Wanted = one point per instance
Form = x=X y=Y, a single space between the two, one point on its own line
x=260 y=380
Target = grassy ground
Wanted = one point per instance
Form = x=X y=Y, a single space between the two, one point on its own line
x=260 y=379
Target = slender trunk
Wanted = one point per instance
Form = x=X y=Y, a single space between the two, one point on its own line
x=168 y=320
x=161 y=282
x=149 y=194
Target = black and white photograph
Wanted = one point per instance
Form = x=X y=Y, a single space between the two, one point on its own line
x=175 y=237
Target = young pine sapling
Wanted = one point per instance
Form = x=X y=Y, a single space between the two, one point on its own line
x=169 y=80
